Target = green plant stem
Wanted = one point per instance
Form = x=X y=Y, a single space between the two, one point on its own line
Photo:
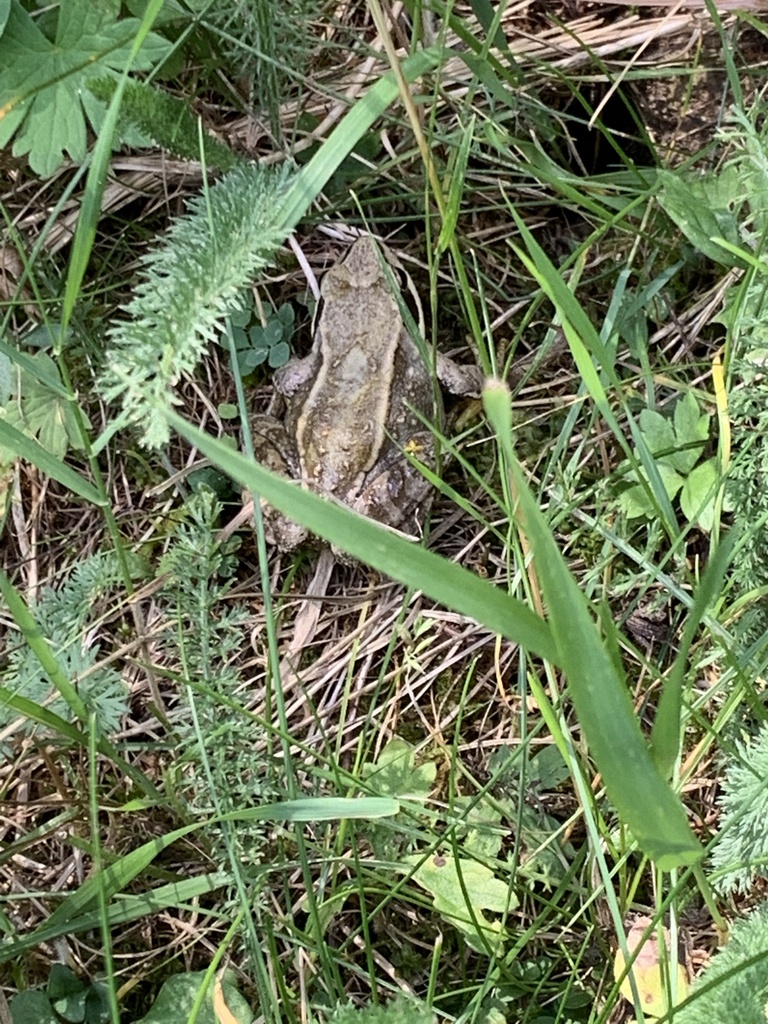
x=98 y=868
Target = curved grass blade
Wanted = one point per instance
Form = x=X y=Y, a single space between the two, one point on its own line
x=636 y=787
x=401 y=559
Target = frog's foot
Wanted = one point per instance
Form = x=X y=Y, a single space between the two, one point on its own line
x=458 y=378
x=399 y=495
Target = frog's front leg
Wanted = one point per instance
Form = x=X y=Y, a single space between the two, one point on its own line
x=274 y=448
x=297 y=375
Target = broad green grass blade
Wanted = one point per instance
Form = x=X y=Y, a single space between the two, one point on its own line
x=633 y=782
x=115 y=878
x=127 y=908
x=312 y=179
x=330 y=808
x=32 y=451
x=443 y=581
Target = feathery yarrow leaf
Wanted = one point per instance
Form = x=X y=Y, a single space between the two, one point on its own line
x=191 y=283
x=66 y=615
x=167 y=120
x=742 y=848
x=735 y=985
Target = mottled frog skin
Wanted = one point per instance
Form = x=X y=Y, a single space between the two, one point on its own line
x=346 y=414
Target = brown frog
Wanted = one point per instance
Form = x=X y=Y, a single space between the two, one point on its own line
x=350 y=409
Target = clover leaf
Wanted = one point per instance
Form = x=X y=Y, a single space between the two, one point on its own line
x=42 y=99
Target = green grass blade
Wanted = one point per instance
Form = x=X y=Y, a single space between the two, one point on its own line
x=36 y=713
x=328 y=808
x=634 y=784
x=128 y=908
x=34 y=369
x=586 y=345
x=312 y=179
x=666 y=733
x=90 y=211
x=32 y=451
x=403 y=560
x=115 y=878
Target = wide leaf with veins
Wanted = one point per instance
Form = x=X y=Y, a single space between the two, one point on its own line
x=43 y=101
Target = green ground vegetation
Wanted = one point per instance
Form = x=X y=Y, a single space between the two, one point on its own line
x=512 y=774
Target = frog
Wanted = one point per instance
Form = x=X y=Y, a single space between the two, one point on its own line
x=347 y=415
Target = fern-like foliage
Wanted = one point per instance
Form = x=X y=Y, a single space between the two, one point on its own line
x=735 y=985
x=399 y=1010
x=217 y=735
x=748 y=473
x=268 y=42
x=65 y=615
x=745 y=317
x=742 y=848
x=189 y=286
x=166 y=120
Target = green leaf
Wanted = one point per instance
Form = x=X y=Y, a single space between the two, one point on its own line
x=42 y=412
x=42 y=81
x=287 y=314
x=692 y=429
x=48 y=335
x=253 y=358
x=691 y=424
x=32 y=1007
x=240 y=318
x=66 y=993
x=461 y=889
x=395 y=773
x=702 y=207
x=97 y=1008
x=179 y=995
x=635 y=501
x=274 y=331
x=697 y=498
x=547 y=770
x=5 y=10
x=279 y=355
x=658 y=432
x=484 y=830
